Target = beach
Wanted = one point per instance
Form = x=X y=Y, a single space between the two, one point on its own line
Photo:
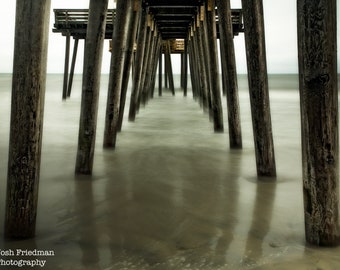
x=172 y=195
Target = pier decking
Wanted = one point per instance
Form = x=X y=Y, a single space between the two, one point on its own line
x=74 y=22
x=173 y=22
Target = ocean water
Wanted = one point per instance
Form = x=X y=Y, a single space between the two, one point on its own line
x=172 y=195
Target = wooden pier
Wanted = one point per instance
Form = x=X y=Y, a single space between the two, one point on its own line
x=146 y=32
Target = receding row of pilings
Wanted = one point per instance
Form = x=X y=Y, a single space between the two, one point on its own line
x=206 y=84
x=318 y=91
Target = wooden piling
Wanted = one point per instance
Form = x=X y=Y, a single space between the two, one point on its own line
x=66 y=65
x=196 y=68
x=229 y=72
x=317 y=49
x=193 y=68
x=73 y=64
x=91 y=84
x=169 y=67
x=141 y=38
x=166 y=76
x=207 y=61
x=216 y=103
x=182 y=69
x=185 y=68
x=28 y=93
x=258 y=86
x=146 y=63
x=128 y=60
x=201 y=61
x=150 y=64
x=160 y=72
x=120 y=41
x=154 y=64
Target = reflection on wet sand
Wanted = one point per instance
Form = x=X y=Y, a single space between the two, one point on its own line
x=172 y=196
x=85 y=222
x=261 y=219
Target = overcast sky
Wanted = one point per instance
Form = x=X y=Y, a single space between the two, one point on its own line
x=280 y=27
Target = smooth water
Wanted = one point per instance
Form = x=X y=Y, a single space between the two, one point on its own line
x=172 y=195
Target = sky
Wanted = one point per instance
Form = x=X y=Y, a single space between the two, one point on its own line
x=280 y=33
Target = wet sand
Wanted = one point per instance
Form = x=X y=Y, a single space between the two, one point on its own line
x=172 y=195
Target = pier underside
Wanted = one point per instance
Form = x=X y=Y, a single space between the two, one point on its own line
x=165 y=186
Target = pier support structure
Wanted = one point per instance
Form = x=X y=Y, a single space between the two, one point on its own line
x=91 y=83
x=229 y=72
x=202 y=61
x=215 y=88
x=317 y=48
x=184 y=68
x=129 y=58
x=139 y=58
x=168 y=63
x=160 y=71
x=258 y=86
x=192 y=66
x=66 y=66
x=73 y=65
x=119 y=70
x=68 y=77
x=154 y=62
x=28 y=93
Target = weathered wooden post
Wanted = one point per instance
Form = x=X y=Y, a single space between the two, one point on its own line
x=204 y=89
x=194 y=57
x=169 y=66
x=149 y=64
x=205 y=47
x=185 y=68
x=229 y=72
x=123 y=28
x=138 y=66
x=166 y=73
x=193 y=67
x=317 y=43
x=91 y=84
x=28 y=94
x=182 y=68
x=145 y=67
x=66 y=65
x=160 y=71
x=154 y=64
x=73 y=64
x=216 y=103
x=258 y=86
x=128 y=60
